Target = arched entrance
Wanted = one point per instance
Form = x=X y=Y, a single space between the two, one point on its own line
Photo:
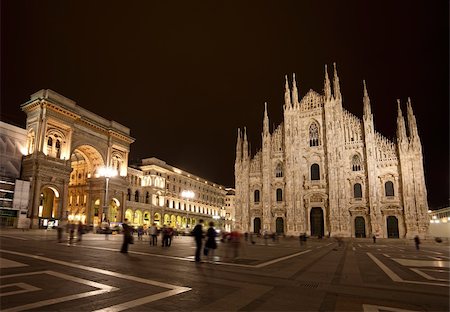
x=257 y=225
x=48 y=207
x=279 y=225
x=129 y=215
x=360 y=227
x=157 y=219
x=137 y=217
x=392 y=227
x=166 y=219
x=316 y=221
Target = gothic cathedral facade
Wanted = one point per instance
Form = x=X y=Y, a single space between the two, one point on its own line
x=326 y=172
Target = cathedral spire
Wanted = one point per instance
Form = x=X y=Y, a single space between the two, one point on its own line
x=245 y=145
x=336 y=86
x=412 y=124
x=239 y=146
x=401 y=129
x=266 y=120
x=366 y=100
x=327 y=86
x=294 y=91
x=287 y=94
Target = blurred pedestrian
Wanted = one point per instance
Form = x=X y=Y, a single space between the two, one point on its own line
x=210 y=244
x=127 y=236
x=140 y=232
x=235 y=242
x=197 y=232
x=417 y=241
x=374 y=237
x=153 y=232
x=62 y=226
x=80 y=231
x=105 y=228
x=71 y=226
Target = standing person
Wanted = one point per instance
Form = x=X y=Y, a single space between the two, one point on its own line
x=105 y=228
x=374 y=238
x=61 y=227
x=197 y=232
x=417 y=241
x=235 y=241
x=79 y=231
x=71 y=232
x=210 y=244
x=127 y=236
x=165 y=236
x=153 y=232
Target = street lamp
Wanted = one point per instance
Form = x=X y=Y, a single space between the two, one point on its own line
x=106 y=172
x=187 y=195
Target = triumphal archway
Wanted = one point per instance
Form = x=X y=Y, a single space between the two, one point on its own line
x=66 y=147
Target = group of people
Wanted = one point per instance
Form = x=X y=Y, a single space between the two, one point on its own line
x=70 y=228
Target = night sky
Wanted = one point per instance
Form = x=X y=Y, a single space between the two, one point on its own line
x=184 y=75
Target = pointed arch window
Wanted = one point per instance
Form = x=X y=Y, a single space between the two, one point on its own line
x=357 y=191
x=356 y=163
x=279 y=171
x=58 y=148
x=279 y=195
x=314 y=134
x=256 y=196
x=389 y=188
x=315 y=172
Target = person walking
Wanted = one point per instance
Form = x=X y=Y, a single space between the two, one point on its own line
x=80 y=231
x=374 y=237
x=197 y=232
x=127 y=236
x=210 y=244
x=153 y=232
x=417 y=241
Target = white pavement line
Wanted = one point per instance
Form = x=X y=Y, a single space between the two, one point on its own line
x=353 y=248
x=102 y=271
x=386 y=270
x=191 y=259
x=329 y=244
x=141 y=301
x=423 y=263
x=435 y=252
x=6 y=263
x=281 y=259
x=360 y=245
x=24 y=286
x=102 y=289
x=429 y=277
x=14 y=237
x=386 y=255
x=434 y=258
x=374 y=308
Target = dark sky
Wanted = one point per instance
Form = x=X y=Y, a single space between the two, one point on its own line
x=184 y=75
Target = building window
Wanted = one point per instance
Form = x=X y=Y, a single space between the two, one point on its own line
x=279 y=195
x=357 y=190
x=129 y=195
x=256 y=196
x=314 y=134
x=136 y=196
x=147 y=196
x=315 y=172
x=356 y=163
x=389 y=188
x=279 y=171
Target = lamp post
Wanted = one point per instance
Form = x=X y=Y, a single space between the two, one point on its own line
x=187 y=195
x=108 y=173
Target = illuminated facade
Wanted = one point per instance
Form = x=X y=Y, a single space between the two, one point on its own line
x=324 y=171
x=66 y=149
x=161 y=193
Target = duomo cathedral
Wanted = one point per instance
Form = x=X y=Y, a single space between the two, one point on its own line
x=325 y=172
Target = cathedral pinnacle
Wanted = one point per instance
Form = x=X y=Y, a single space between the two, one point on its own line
x=266 y=120
x=239 y=146
x=401 y=129
x=287 y=95
x=327 y=86
x=366 y=100
x=336 y=86
x=412 y=124
x=294 y=91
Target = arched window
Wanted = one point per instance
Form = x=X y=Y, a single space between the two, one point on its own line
x=389 y=188
x=58 y=148
x=129 y=195
x=315 y=172
x=314 y=134
x=50 y=141
x=356 y=163
x=136 y=196
x=256 y=196
x=279 y=195
x=357 y=190
x=279 y=171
